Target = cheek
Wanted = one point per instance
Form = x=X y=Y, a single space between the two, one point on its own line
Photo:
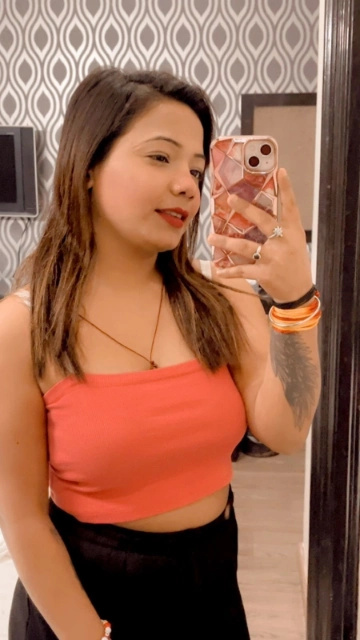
x=117 y=190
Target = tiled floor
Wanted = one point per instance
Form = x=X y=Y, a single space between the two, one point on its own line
x=269 y=508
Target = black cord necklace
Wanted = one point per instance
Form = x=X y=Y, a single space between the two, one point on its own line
x=150 y=360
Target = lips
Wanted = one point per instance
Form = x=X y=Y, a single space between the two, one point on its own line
x=180 y=214
x=174 y=217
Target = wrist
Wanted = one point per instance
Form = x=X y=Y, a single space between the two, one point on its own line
x=301 y=301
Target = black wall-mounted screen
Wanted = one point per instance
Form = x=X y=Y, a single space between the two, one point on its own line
x=18 y=185
x=7 y=169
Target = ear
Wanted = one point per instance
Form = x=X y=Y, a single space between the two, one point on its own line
x=90 y=182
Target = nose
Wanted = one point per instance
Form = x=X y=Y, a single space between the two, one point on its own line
x=184 y=185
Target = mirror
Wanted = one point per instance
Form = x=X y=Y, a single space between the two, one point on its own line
x=259 y=63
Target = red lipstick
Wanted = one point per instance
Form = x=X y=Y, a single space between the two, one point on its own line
x=175 y=217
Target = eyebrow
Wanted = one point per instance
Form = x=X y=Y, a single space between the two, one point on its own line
x=177 y=144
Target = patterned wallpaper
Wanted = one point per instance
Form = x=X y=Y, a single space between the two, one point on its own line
x=230 y=47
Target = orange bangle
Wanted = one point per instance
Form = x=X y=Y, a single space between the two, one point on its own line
x=107 y=630
x=294 y=320
x=306 y=327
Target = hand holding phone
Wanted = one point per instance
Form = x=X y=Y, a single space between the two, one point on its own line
x=247 y=167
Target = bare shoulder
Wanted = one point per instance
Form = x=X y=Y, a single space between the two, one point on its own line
x=15 y=338
x=15 y=329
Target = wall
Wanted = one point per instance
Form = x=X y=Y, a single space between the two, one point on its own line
x=230 y=47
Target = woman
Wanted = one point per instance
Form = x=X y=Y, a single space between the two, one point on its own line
x=132 y=378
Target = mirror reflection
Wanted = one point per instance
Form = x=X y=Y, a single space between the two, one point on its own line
x=159 y=317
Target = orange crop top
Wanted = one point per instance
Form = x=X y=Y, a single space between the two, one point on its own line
x=132 y=445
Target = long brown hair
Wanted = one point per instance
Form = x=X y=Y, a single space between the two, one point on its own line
x=101 y=109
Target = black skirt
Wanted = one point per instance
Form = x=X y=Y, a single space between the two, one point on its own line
x=167 y=585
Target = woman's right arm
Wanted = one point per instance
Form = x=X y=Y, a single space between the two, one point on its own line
x=39 y=555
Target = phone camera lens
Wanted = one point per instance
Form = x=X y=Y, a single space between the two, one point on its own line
x=254 y=161
x=265 y=149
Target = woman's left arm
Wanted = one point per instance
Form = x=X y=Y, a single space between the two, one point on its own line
x=279 y=378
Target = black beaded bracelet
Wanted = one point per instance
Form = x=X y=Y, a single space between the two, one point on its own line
x=297 y=303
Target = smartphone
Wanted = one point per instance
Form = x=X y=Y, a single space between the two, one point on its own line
x=246 y=166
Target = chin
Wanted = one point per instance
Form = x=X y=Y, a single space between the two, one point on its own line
x=167 y=244
x=168 y=247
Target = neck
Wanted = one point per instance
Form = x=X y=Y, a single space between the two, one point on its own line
x=124 y=273
x=122 y=267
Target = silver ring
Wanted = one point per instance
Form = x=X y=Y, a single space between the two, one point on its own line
x=257 y=254
x=278 y=232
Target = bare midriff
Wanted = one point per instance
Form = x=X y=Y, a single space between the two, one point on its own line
x=193 y=515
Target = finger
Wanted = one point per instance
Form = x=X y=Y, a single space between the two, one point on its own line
x=245 y=271
x=245 y=248
x=290 y=210
x=264 y=221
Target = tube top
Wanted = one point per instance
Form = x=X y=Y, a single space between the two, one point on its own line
x=128 y=446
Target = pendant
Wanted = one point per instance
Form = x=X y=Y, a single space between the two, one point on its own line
x=153 y=365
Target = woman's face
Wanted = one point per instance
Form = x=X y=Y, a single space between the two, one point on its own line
x=146 y=191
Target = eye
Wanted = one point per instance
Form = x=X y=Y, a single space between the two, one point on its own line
x=159 y=157
x=199 y=175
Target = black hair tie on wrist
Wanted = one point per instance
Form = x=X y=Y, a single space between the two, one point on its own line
x=297 y=303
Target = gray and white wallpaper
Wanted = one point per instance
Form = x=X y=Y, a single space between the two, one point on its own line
x=229 y=47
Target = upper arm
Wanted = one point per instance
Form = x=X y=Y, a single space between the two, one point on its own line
x=249 y=375
x=248 y=307
x=23 y=443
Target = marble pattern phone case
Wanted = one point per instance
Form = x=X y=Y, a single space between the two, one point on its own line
x=230 y=173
